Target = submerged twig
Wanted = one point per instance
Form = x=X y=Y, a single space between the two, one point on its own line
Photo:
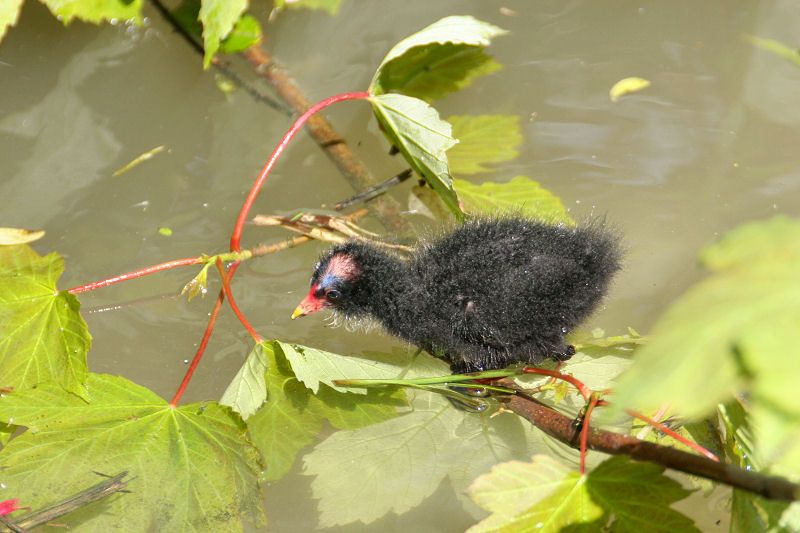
x=105 y=488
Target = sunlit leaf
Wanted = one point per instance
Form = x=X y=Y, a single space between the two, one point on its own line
x=731 y=333
x=246 y=33
x=192 y=467
x=398 y=463
x=437 y=60
x=42 y=335
x=627 y=86
x=292 y=416
x=248 y=390
x=776 y=47
x=331 y=6
x=542 y=495
x=483 y=140
x=218 y=18
x=11 y=236
x=520 y=195
x=9 y=13
x=312 y=367
x=422 y=137
x=95 y=11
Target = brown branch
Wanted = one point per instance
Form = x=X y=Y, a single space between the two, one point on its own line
x=561 y=428
x=96 y=492
x=352 y=168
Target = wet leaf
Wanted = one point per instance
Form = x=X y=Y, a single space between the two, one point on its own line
x=192 y=467
x=439 y=59
x=292 y=416
x=11 y=236
x=732 y=334
x=330 y=6
x=198 y=285
x=9 y=13
x=394 y=465
x=246 y=33
x=544 y=495
x=521 y=194
x=248 y=389
x=423 y=138
x=627 y=86
x=42 y=335
x=483 y=140
x=96 y=11
x=776 y=47
x=218 y=18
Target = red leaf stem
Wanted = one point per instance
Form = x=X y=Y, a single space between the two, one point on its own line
x=226 y=287
x=585 y=430
x=585 y=391
x=680 y=438
x=187 y=261
x=212 y=320
x=236 y=237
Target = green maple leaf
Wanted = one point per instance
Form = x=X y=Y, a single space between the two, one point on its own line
x=42 y=335
x=192 y=467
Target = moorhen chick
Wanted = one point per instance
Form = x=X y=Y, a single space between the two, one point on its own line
x=488 y=294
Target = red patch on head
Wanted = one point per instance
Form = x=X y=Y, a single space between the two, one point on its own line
x=341 y=266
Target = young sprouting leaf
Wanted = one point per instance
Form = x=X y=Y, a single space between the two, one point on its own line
x=192 y=467
x=731 y=333
x=521 y=194
x=313 y=367
x=9 y=13
x=330 y=6
x=483 y=140
x=248 y=389
x=776 y=47
x=96 y=11
x=218 y=18
x=423 y=139
x=292 y=416
x=437 y=60
x=627 y=86
x=544 y=495
x=42 y=335
x=11 y=236
x=246 y=33
x=402 y=461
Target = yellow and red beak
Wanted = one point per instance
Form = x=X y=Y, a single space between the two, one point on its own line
x=310 y=304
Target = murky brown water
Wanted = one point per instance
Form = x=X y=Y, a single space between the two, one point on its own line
x=713 y=142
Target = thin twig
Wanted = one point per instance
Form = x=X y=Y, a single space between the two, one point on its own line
x=375 y=190
x=96 y=492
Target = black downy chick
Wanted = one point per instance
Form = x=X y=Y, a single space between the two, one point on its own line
x=491 y=293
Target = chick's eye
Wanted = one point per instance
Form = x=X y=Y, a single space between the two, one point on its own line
x=333 y=295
